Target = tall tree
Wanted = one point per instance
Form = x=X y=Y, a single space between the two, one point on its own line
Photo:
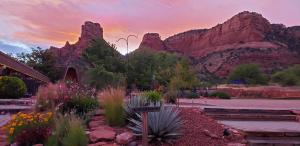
x=184 y=77
x=42 y=61
x=148 y=67
x=247 y=74
x=109 y=66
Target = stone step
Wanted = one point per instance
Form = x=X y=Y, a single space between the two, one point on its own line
x=273 y=141
x=26 y=101
x=268 y=134
x=12 y=109
x=247 y=111
x=253 y=117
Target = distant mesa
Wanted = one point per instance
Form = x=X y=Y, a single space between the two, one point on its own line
x=247 y=37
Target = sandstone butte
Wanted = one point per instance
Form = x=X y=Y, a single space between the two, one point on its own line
x=247 y=37
x=69 y=58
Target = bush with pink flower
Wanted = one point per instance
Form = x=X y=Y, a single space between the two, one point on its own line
x=67 y=98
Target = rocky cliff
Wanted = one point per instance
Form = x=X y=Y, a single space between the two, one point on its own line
x=69 y=56
x=245 y=38
x=89 y=31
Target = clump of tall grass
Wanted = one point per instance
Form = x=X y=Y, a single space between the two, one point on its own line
x=112 y=100
x=67 y=131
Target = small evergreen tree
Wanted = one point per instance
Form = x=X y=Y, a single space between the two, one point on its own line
x=247 y=74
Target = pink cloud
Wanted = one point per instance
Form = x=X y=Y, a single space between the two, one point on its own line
x=52 y=22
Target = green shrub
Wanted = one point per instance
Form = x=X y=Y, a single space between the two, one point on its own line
x=12 y=87
x=171 y=96
x=221 y=95
x=163 y=125
x=80 y=105
x=247 y=74
x=190 y=94
x=288 y=77
x=112 y=101
x=152 y=96
x=68 y=131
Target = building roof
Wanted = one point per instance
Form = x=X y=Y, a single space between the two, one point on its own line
x=22 y=68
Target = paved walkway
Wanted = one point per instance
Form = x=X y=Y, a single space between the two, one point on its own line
x=4 y=119
x=245 y=103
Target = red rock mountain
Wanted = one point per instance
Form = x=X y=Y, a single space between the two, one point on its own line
x=69 y=56
x=89 y=31
x=245 y=38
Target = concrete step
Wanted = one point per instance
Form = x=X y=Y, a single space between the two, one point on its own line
x=253 y=117
x=12 y=109
x=247 y=111
x=26 y=101
x=266 y=134
x=273 y=141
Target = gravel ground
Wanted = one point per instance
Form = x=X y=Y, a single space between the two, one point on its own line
x=195 y=125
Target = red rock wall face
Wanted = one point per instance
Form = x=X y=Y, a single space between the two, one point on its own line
x=245 y=38
x=71 y=52
x=270 y=59
x=153 y=41
x=89 y=31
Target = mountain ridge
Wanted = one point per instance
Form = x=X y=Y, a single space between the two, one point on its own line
x=248 y=33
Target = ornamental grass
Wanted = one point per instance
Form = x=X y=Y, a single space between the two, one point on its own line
x=112 y=100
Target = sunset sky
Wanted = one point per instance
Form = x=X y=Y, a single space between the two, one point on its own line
x=30 y=23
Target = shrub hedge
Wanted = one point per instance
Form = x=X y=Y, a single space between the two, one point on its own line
x=12 y=87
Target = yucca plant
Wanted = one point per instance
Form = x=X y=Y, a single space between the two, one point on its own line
x=164 y=126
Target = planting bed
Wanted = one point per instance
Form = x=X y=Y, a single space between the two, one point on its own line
x=199 y=129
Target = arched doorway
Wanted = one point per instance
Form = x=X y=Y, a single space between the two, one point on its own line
x=71 y=75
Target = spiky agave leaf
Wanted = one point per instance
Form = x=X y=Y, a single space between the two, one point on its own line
x=163 y=125
x=132 y=103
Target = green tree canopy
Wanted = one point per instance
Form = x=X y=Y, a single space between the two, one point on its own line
x=42 y=61
x=148 y=67
x=184 y=77
x=288 y=77
x=247 y=74
x=102 y=53
x=109 y=66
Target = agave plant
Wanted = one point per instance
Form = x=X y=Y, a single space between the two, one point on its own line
x=164 y=126
x=137 y=102
x=132 y=103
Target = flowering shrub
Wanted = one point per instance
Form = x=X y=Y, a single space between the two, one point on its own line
x=67 y=98
x=29 y=129
x=48 y=97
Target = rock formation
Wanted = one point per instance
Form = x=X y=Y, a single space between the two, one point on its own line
x=69 y=56
x=153 y=41
x=89 y=31
x=245 y=38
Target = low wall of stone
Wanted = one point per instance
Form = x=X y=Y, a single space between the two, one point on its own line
x=262 y=92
